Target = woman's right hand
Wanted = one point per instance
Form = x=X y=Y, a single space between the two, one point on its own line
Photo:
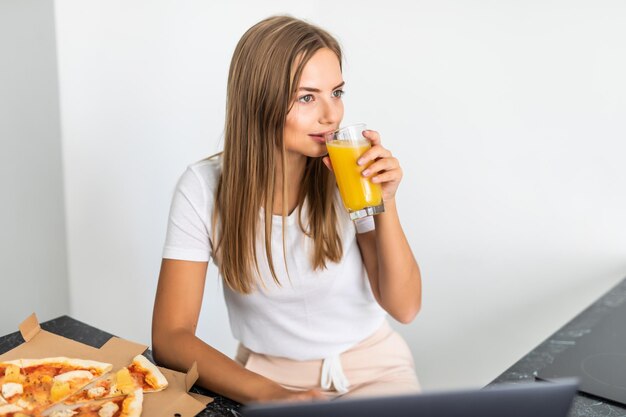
x=280 y=393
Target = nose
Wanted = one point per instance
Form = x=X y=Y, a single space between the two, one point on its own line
x=331 y=112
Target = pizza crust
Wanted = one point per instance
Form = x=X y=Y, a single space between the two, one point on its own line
x=100 y=367
x=159 y=382
x=133 y=404
x=16 y=362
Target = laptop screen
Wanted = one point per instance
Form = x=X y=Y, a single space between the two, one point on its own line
x=511 y=400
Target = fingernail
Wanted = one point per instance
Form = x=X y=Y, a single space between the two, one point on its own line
x=366 y=173
x=360 y=162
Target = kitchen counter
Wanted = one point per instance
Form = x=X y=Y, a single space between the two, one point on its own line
x=524 y=370
x=567 y=336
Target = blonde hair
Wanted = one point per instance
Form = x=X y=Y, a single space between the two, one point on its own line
x=264 y=74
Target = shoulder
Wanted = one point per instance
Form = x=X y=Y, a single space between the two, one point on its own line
x=201 y=177
x=207 y=170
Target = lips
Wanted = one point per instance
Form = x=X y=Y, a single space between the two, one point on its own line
x=318 y=137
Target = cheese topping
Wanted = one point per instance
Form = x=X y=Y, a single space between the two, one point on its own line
x=64 y=413
x=23 y=404
x=108 y=409
x=11 y=388
x=9 y=408
x=96 y=392
x=68 y=376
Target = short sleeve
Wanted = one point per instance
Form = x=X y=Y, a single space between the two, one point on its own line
x=188 y=229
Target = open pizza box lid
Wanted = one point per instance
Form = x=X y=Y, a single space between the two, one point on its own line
x=174 y=400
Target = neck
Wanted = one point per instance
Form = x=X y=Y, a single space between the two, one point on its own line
x=295 y=165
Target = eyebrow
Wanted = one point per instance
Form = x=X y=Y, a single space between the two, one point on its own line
x=317 y=90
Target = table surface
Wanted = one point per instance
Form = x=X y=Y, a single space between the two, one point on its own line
x=567 y=336
x=524 y=370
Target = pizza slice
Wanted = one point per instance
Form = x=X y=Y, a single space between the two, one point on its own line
x=36 y=384
x=147 y=374
x=128 y=405
x=112 y=385
x=140 y=373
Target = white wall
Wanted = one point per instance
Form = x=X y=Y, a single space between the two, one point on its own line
x=508 y=119
x=33 y=261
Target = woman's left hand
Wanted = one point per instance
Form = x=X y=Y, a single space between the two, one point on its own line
x=384 y=169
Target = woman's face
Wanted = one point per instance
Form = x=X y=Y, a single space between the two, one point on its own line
x=318 y=107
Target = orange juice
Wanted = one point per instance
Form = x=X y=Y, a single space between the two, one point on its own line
x=357 y=192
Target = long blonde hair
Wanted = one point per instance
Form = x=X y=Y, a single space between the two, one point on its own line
x=264 y=74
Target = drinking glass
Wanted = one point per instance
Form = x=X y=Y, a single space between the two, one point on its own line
x=360 y=196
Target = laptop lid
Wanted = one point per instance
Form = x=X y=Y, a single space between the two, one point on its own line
x=511 y=400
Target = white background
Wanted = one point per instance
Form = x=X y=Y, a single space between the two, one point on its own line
x=508 y=118
x=33 y=256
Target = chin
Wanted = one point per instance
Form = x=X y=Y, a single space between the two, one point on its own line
x=319 y=151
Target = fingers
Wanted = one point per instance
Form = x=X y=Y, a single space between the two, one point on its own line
x=376 y=151
x=308 y=395
x=388 y=176
x=314 y=394
x=381 y=165
x=373 y=136
x=383 y=170
x=385 y=164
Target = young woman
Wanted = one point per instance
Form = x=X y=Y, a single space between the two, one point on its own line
x=307 y=291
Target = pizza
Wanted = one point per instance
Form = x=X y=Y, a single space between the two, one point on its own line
x=127 y=405
x=35 y=384
x=66 y=387
x=140 y=373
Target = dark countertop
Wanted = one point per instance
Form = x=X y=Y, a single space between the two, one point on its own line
x=522 y=371
x=527 y=367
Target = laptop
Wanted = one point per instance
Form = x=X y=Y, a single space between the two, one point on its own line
x=534 y=399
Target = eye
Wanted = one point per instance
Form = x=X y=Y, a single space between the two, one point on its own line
x=306 y=99
x=338 y=93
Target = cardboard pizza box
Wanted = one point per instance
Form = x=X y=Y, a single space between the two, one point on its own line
x=174 y=400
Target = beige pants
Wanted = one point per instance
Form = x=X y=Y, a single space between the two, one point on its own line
x=382 y=364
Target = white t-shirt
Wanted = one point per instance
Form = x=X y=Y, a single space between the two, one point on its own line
x=314 y=314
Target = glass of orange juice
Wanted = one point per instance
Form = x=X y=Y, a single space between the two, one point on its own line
x=360 y=196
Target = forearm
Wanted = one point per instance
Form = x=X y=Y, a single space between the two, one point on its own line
x=397 y=278
x=218 y=373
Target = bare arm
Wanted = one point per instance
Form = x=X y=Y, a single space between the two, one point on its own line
x=393 y=272
x=175 y=345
